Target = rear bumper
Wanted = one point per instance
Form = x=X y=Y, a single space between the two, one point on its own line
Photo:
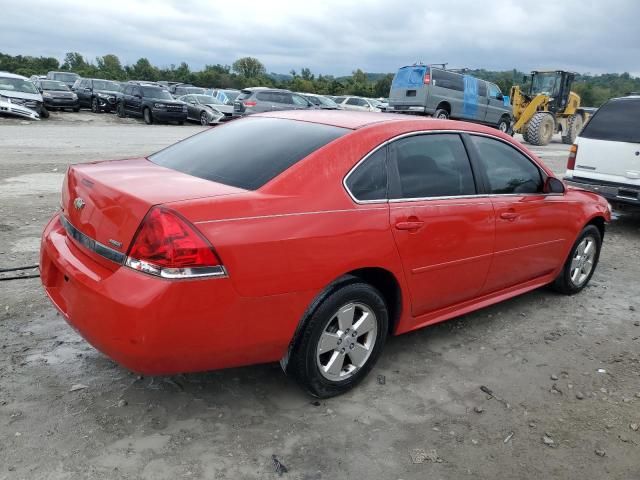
x=614 y=192
x=157 y=326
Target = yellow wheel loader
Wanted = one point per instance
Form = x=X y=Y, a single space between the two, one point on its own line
x=549 y=106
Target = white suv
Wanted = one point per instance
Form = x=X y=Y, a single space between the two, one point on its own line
x=606 y=156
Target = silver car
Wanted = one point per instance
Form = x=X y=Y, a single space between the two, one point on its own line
x=207 y=109
x=360 y=104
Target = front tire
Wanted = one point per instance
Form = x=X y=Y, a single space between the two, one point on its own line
x=120 y=110
x=148 y=116
x=204 y=119
x=582 y=262
x=341 y=341
x=95 y=106
x=44 y=113
x=503 y=125
x=540 y=129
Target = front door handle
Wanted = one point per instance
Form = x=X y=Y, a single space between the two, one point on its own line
x=413 y=225
x=511 y=216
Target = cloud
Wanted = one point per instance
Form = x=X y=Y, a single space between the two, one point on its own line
x=333 y=37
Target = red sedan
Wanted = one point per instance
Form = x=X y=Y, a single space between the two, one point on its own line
x=307 y=238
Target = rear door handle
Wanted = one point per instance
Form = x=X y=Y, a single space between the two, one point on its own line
x=414 y=225
x=509 y=215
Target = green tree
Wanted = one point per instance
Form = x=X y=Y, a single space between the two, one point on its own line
x=249 y=67
x=383 y=86
x=110 y=67
x=74 y=61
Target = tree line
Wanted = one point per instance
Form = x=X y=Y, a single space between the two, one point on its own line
x=248 y=71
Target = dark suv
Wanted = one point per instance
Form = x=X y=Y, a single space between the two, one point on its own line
x=97 y=94
x=151 y=103
x=260 y=99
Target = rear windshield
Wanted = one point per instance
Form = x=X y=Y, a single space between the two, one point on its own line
x=247 y=153
x=409 y=77
x=617 y=120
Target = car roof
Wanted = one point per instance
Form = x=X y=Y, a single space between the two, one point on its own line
x=337 y=118
x=12 y=75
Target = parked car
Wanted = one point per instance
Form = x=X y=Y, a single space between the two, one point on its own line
x=152 y=103
x=261 y=99
x=360 y=104
x=35 y=78
x=206 y=109
x=225 y=95
x=69 y=78
x=428 y=90
x=20 y=97
x=182 y=89
x=321 y=101
x=98 y=94
x=606 y=155
x=56 y=94
x=333 y=231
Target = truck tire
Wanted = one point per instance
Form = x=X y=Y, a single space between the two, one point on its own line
x=540 y=129
x=441 y=114
x=574 y=126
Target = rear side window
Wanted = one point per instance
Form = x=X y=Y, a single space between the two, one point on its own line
x=265 y=97
x=223 y=154
x=617 y=121
x=369 y=180
x=482 y=88
x=450 y=80
x=507 y=170
x=244 y=94
x=434 y=165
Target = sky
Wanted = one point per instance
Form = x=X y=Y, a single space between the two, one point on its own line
x=334 y=37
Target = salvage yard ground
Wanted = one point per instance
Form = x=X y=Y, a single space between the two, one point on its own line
x=564 y=371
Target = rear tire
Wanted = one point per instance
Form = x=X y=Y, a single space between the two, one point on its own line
x=441 y=114
x=582 y=262
x=574 y=126
x=350 y=321
x=120 y=110
x=148 y=116
x=504 y=124
x=540 y=129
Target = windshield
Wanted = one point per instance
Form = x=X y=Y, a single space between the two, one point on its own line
x=547 y=83
x=616 y=121
x=320 y=100
x=230 y=96
x=106 y=85
x=156 y=92
x=17 y=85
x=66 y=77
x=53 y=85
x=208 y=100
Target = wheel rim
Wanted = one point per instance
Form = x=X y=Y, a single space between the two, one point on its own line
x=346 y=342
x=203 y=119
x=503 y=127
x=583 y=259
x=443 y=116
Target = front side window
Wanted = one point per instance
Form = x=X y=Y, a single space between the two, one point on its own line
x=369 y=180
x=353 y=101
x=507 y=170
x=431 y=165
x=298 y=100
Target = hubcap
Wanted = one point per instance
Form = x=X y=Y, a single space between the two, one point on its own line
x=503 y=127
x=442 y=116
x=346 y=342
x=582 y=263
x=203 y=119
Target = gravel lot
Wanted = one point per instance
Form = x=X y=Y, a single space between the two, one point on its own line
x=563 y=370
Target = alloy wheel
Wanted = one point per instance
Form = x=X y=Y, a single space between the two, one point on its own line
x=204 y=119
x=346 y=342
x=583 y=261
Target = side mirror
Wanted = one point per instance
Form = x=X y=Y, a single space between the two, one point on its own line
x=500 y=97
x=553 y=185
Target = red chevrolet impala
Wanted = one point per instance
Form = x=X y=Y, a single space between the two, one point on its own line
x=307 y=238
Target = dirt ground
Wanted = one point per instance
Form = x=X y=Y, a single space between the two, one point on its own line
x=564 y=371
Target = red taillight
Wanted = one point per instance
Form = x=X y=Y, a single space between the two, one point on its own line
x=167 y=245
x=427 y=78
x=250 y=103
x=571 y=162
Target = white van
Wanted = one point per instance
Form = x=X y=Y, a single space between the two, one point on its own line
x=606 y=156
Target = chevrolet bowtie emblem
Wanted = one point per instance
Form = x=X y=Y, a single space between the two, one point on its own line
x=78 y=203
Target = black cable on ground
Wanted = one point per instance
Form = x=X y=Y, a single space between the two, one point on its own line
x=15 y=269
x=20 y=277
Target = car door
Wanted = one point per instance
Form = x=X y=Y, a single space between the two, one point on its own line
x=135 y=102
x=495 y=105
x=84 y=93
x=532 y=227
x=193 y=110
x=443 y=229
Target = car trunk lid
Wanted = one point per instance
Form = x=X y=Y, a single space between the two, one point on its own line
x=107 y=201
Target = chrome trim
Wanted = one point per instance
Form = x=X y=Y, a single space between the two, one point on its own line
x=277 y=215
x=91 y=244
x=422 y=132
